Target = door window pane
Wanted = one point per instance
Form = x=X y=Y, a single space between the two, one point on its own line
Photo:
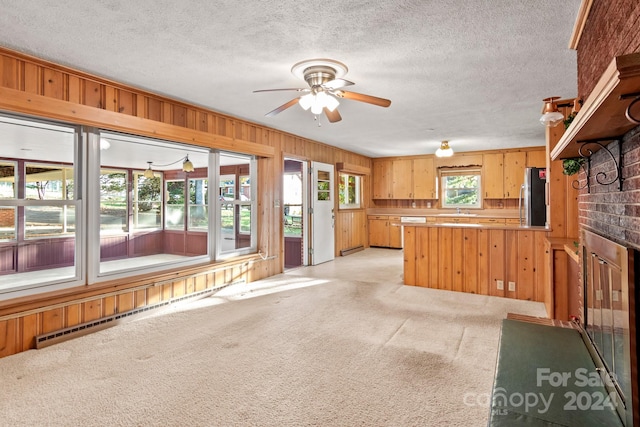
x=324 y=185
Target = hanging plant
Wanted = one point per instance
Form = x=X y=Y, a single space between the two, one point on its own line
x=569 y=119
x=572 y=166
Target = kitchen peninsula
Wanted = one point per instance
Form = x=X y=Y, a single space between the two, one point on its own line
x=497 y=259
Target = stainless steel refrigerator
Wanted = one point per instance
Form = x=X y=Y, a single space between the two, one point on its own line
x=532 y=207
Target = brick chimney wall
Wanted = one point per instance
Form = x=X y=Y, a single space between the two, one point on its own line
x=606 y=210
x=612 y=29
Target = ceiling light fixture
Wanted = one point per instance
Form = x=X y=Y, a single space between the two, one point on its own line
x=550 y=115
x=148 y=173
x=187 y=166
x=444 y=150
x=318 y=102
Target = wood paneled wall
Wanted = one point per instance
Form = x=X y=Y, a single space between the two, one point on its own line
x=39 y=88
x=473 y=260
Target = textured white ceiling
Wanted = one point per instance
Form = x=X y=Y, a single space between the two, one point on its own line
x=472 y=72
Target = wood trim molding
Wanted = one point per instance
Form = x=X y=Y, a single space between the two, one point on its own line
x=353 y=169
x=42 y=106
x=581 y=20
x=602 y=115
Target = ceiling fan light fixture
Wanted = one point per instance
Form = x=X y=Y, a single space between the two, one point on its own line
x=551 y=116
x=444 y=150
x=306 y=101
x=331 y=103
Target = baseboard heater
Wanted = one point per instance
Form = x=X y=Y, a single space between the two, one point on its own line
x=51 y=338
x=349 y=251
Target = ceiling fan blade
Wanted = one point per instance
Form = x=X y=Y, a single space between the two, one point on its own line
x=337 y=84
x=278 y=90
x=381 y=102
x=333 y=116
x=283 y=107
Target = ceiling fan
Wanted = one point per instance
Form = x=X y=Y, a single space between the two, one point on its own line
x=324 y=77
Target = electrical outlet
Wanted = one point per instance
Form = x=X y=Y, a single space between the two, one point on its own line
x=500 y=285
x=512 y=286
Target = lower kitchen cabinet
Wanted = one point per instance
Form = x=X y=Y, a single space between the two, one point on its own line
x=385 y=231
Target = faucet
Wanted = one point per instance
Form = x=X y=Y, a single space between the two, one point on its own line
x=459 y=211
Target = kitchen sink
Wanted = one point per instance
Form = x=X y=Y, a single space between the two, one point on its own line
x=457 y=214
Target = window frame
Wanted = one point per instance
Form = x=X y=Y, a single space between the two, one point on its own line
x=343 y=190
x=83 y=153
x=444 y=173
x=56 y=280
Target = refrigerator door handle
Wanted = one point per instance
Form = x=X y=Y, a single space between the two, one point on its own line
x=520 y=203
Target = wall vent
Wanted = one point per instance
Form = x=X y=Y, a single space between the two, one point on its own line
x=76 y=331
x=345 y=252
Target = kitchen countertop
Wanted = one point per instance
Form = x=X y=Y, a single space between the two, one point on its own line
x=474 y=213
x=481 y=226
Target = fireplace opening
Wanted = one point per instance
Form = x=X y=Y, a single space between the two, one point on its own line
x=608 y=318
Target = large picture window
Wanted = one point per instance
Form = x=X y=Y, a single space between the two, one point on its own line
x=105 y=205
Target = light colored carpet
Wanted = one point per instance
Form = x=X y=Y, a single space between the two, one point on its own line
x=308 y=347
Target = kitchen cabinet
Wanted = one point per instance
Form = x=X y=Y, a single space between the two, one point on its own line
x=453 y=220
x=385 y=231
x=381 y=179
x=404 y=179
x=493 y=176
x=537 y=159
x=503 y=174
x=424 y=178
x=514 y=165
x=489 y=221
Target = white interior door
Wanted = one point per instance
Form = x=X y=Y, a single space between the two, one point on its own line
x=323 y=215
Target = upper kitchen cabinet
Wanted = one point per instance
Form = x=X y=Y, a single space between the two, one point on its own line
x=381 y=179
x=404 y=178
x=493 y=176
x=537 y=159
x=424 y=178
x=514 y=165
x=503 y=174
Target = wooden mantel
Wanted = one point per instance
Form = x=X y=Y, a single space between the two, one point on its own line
x=602 y=116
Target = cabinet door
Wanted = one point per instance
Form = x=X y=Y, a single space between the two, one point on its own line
x=424 y=178
x=537 y=159
x=514 y=164
x=381 y=179
x=379 y=231
x=395 y=232
x=402 y=183
x=493 y=176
